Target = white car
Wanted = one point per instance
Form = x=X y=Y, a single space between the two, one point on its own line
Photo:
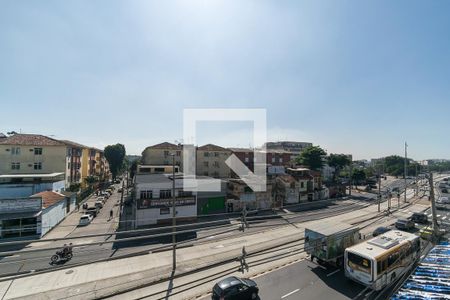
x=99 y=204
x=85 y=220
x=102 y=199
x=443 y=200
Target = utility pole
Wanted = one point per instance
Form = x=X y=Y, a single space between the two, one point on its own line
x=433 y=206
x=379 y=189
x=406 y=171
x=350 y=180
x=174 y=222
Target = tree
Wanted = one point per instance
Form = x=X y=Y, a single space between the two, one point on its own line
x=115 y=155
x=338 y=162
x=133 y=167
x=90 y=180
x=358 y=176
x=311 y=157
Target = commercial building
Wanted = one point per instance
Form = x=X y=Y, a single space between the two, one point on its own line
x=153 y=193
x=293 y=147
x=35 y=215
x=25 y=185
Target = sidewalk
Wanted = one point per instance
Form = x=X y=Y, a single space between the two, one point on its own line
x=105 y=278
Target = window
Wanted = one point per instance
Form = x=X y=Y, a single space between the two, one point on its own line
x=15 y=150
x=205 y=173
x=178 y=153
x=146 y=195
x=37 y=151
x=165 y=194
x=206 y=154
x=205 y=163
x=216 y=154
x=15 y=166
x=273 y=159
x=302 y=184
x=184 y=194
x=246 y=159
x=68 y=165
x=281 y=160
x=216 y=164
x=166 y=153
x=164 y=211
x=38 y=166
x=357 y=262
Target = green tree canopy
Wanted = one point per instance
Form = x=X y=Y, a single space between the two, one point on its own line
x=115 y=155
x=358 y=175
x=311 y=157
x=338 y=162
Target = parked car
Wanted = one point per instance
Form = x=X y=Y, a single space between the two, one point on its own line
x=93 y=211
x=234 y=288
x=119 y=190
x=99 y=204
x=426 y=233
x=380 y=230
x=101 y=198
x=443 y=200
x=419 y=218
x=404 y=224
x=445 y=179
x=445 y=191
x=85 y=219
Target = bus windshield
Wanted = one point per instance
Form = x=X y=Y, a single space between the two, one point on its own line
x=359 y=263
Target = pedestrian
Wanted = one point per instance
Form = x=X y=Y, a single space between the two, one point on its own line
x=78 y=206
x=110 y=214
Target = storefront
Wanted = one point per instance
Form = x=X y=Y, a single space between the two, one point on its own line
x=20 y=217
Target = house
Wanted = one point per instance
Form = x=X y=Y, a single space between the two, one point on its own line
x=240 y=195
x=211 y=161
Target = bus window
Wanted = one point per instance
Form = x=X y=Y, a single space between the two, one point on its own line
x=381 y=266
x=360 y=263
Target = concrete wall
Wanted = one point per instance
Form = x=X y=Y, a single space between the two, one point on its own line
x=152 y=215
x=19 y=190
x=52 y=215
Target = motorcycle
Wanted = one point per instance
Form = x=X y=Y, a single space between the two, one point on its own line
x=60 y=255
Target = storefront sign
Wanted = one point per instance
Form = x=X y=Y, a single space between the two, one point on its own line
x=155 y=203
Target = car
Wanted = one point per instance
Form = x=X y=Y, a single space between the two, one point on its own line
x=234 y=288
x=426 y=233
x=404 y=224
x=101 y=198
x=93 y=211
x=445 y=191
x=445 y=179
x=99 y=204
x=419 y=218
x=380 y=230
x=119 y=190
x=85 y=219
x=443 y=200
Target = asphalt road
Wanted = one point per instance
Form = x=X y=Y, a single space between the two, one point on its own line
x=25 y=262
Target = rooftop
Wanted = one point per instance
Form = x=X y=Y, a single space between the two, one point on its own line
x=30 y=140
x=49 y=198
x=212 y=147
x=47 y=175
x=166 y=145
x=73 y=144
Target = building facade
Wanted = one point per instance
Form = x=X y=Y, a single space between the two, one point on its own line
x=160 y=154
x=211 y=161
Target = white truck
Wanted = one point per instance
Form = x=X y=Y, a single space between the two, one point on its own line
x=326 y=241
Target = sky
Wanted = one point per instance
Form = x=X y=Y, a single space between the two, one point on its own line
x=359 y=77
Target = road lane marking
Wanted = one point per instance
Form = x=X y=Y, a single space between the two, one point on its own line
x=438 y=216
x=332 y=273
x=443 y=218
x=288 y=294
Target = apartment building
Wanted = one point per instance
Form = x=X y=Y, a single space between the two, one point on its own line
x=74 y=162
x=211 y=161
x=32 y=154
x=160 y=154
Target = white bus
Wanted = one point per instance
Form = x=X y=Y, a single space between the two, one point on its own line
x=379 y=261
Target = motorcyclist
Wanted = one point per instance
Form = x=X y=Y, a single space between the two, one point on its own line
x=65 y=250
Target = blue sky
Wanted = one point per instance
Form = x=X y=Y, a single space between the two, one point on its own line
x=356 y=77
